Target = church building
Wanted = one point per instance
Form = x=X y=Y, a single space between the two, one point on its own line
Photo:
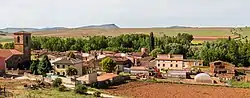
x=19 y=57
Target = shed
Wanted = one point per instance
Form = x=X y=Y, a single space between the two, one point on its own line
x=139 y=70
x=176 y=74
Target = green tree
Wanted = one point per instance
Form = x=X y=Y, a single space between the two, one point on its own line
x=80 y=89
x=62 y=88
x=9 y=45
x=97 y=94
x=44 y=65
x=152 y=41
x=71 y=71
x=36 y=43
x=108 y=65
x=57 y=82
x=156 y=51
x=34 y=67
x=1 y=46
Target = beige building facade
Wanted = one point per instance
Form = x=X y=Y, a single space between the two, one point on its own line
x=175 y=62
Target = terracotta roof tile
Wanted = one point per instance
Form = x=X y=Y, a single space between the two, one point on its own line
x=2 y=63
x=106 y=76
x=6 y=53
x=67 y=60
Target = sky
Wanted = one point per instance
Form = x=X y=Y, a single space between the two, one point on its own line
x=124 y=13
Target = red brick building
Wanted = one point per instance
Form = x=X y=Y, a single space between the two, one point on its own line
x=222 y=69
x=19 y=57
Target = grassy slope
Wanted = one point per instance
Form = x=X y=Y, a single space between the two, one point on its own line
x=51 y=93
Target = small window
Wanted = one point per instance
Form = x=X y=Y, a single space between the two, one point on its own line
x=176 y=65
x=58 y=66
x=171 y=65
x=18 y=39
x=158 y=65
x=163 y=65
x=58 y=73
x=183 y=65
x=68 y=65
x=63 y=74
x=27 y=40
x=63 y=66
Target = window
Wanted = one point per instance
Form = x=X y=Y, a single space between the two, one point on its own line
x=63 y=66
x=163 y=65
x=18 y=39
x=183 y=65
x=58 y=73
x=176 y=65
x=27 y=40
x=171 y=65
x=158 y=65
x=58 y=66
x=63 y=74
x=68 y=65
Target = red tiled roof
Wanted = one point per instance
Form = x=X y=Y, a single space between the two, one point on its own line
x=106 y=76
x=2 y=63
x=170 y=59
x=6 y=53
x=193 y=60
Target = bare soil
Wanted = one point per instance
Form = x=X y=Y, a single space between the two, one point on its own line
x=168 y=90
x=14 y=86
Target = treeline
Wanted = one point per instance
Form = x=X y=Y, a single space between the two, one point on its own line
x=124 y=43
x=7 y=46
x=230 y=50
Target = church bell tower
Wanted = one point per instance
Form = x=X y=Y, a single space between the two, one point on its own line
x=22 y=43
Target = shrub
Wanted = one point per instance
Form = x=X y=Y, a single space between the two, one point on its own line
x=80 y=89
x=94 y=85
x=97 y=94
x=102 y=85
x=57 y=82
x=62 y=88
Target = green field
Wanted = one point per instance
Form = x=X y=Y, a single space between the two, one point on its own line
x=51 y=93
x=4 y=39
x=157 y=31
x=196 y=32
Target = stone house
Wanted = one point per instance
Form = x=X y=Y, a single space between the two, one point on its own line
x=61 y=66
x=88 y=78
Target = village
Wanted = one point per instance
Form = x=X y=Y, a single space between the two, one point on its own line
x=103 y=69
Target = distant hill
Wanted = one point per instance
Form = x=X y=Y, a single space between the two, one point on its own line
x=13 y=30
x=53 y=28
x=104 y=26
x=179 y=27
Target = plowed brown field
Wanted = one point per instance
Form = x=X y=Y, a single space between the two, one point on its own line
x=167 y=90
